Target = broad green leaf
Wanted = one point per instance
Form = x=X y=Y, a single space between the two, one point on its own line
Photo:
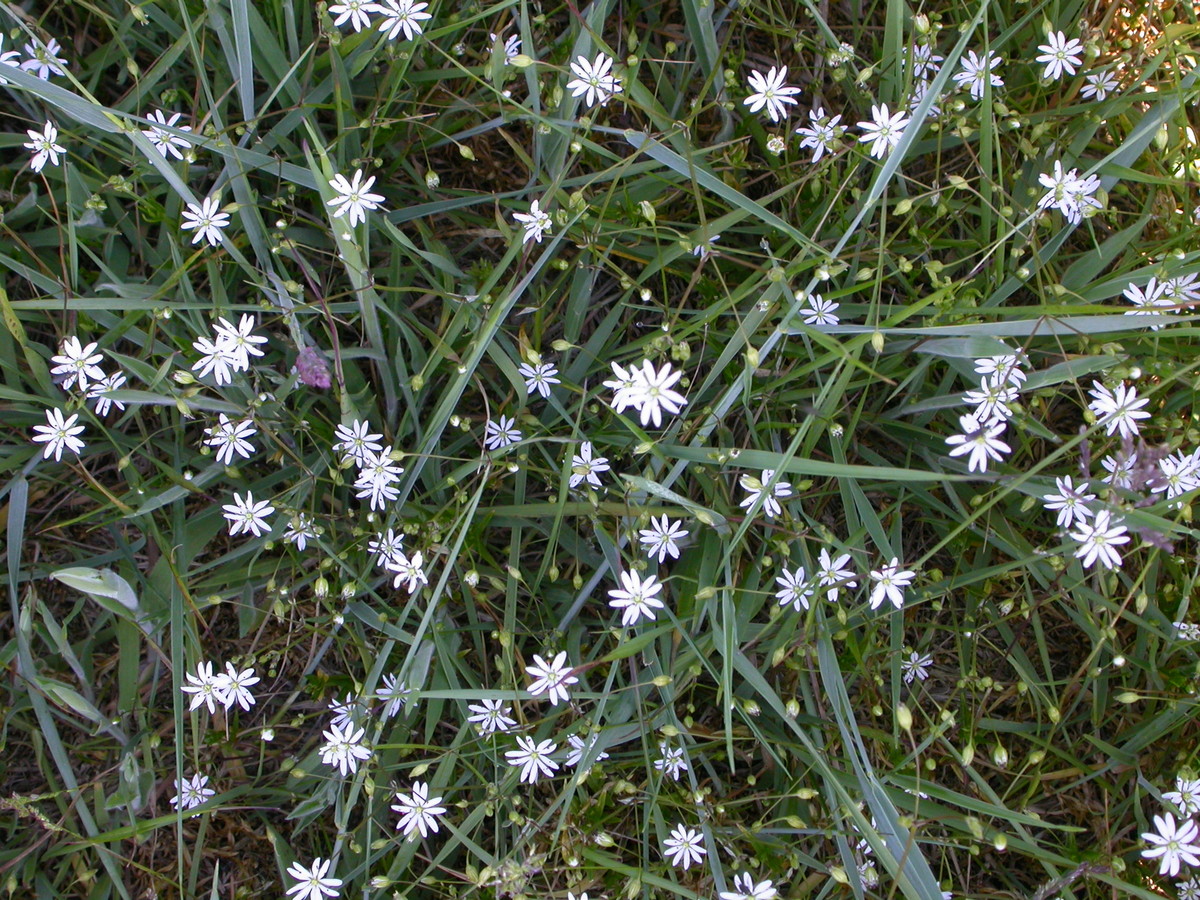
x=101 y=585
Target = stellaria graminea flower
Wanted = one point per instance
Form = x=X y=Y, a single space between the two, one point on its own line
x=1098 y=85
x=916 y=666
x=771 y=92
x=300 y=531
x=884 y=130
x=230 y=437
x=43 y=59
x=539 y=378
x=206 y=688
x=410 y=571
x=594 y=80
x=977 y=71
x=313 y=882
x=981 y=440
x=394 y=694
x=1059 y=55
x=491 y=716
x=355 y=442
x=1186 y=796
x=501 y=433
x=401 y=16
x=537 y=223
x=820 y=311
x=165 y=142
x=77 y=364
x=579 y=748
x=795 y=589
x=207 y=219
x=745 y=888
x=418 y=811
x=100 y=392
x=685 y=847
x=236 y=684
x=650 y=391
x=11 y=58
x=1069 y=503
x=378 y=479
x=354 y=197
x=356 y=12
x=1099 y=540
x=822 y=134
x=636 y=598
x=59 y=433
x=343 y=748
x=662 y=538
x=248 y=515
x=191 y=792
x=756 y=486
x=832 y=576
x=533 y=759
x=1172 y=844
x=672 y=761
x=551 y=678
x=1069 y=193
x=1119 y=409
x=585 y=466
x=512 y=46
x=44 y=146
x=889 y=583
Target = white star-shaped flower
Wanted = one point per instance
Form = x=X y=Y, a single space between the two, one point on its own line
x=537 y=223
x=247 y=515
x=207 y=219
x=44 y=146
x=594 y=80
x=890 y=582
x=884 y=131
x=59 y=433
x=312 y=881
x=418 y=811
x=636 y=598
x=551 y=678
x=1060 y=55
x=354 y=197
x=401 y=16
x=772 y=93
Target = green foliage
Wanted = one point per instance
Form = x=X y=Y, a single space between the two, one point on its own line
x=1058 y=704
